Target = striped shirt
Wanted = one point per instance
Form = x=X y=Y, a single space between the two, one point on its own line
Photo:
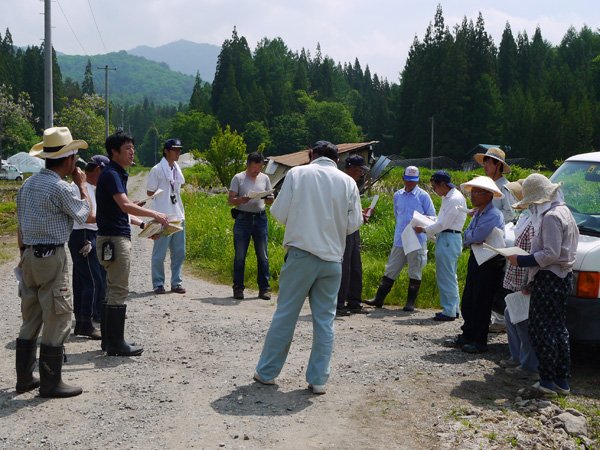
x=47 y=207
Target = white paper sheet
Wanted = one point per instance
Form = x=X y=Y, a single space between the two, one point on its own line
x=410 y=241
x=18 y=274
x=158 y=193
x=518 y=306
x=495 y=239
x=263 y=194
x=508 y=251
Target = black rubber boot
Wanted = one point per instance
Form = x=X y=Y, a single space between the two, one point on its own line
x=115 y=330
x=103 y=326
x=384 y=289
x=413 y=291
x=26 y=352
x=51 y=384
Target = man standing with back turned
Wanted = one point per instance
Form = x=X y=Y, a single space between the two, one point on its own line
x=319 y=205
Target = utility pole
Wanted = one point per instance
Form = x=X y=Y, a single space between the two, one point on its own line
x=48 y=92
x=122 y=119
x=106 y=69
x=432 y=121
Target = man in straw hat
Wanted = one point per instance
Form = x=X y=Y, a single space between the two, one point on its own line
x=553 y=253
x=47 y=207
x=113 y=244
x=495 y=167
x=482 y=280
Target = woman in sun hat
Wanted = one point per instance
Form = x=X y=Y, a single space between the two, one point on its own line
x=553 y=253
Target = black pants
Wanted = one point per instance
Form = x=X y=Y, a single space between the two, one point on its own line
x=481 y=285
x=351 y=284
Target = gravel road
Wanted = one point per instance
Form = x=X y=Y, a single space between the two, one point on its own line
x=392 y=386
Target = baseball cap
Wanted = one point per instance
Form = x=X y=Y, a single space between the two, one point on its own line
x=173 y=142
x=411 y=173
x=99 y=160
x=356 y=160
x=441 y=176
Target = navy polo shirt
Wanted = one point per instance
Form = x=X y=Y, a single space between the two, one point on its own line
x=111 y=220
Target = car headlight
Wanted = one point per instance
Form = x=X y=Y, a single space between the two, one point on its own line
x=588 y=284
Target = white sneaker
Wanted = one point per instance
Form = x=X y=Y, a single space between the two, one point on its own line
x=261 y=380
x=318 y=389
x=497 y=328
x=504 y=363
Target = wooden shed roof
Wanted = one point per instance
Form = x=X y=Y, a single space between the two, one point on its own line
x=301 y=157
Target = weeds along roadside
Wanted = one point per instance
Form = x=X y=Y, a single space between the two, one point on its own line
x=209 y=229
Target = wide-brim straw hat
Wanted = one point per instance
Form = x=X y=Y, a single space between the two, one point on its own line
x=516 y=188
x=57 y=141
x=495 y=153
x=483 y=183
x=537 y=189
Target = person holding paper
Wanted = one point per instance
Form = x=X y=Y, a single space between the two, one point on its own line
x=350 y=293
x=448 y=246
x=114 y=240
x=250 y=222
x=523 y=362
x=483 y=280
x=166 y=175
x=553 y=253
x=407 y=200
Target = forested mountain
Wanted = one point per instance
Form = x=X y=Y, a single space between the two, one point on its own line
x=136 y=78
x=183 y=56
x=536 y=100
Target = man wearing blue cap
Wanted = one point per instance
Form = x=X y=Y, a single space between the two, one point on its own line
x=448 y=247
x=166 y=175
x=407 y=200
x=89 y=277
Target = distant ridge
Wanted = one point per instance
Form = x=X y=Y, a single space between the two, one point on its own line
x=183 y=56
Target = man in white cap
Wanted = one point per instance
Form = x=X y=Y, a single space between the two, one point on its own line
x=47 y=207
x=495 y=167
x=407 y=200
x=482 y=280
x=553 y=253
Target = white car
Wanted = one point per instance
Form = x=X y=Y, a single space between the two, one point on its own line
x=581 y=177
x=9 y=172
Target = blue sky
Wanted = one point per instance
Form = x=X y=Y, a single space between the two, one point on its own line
x=378 y=32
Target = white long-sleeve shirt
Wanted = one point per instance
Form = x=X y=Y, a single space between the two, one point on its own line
x=319 y=205
x=449 y=218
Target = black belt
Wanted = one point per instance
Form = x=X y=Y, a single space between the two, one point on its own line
x=262 y=213
x=451 y=231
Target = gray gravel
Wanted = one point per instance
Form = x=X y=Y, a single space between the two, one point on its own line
x=393 y=385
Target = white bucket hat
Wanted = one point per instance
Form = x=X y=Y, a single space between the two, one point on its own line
x=483 y=183
x=57 y=143
x=494 y=153
x=537 y=189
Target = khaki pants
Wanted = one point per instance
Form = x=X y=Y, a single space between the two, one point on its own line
x=117 y=271
x=46 y=298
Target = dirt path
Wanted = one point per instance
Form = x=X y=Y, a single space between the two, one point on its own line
x=393 y=386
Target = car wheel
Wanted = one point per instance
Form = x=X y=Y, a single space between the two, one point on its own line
x=18 y=178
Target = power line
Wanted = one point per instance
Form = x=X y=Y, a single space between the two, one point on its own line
x=99 y=34
x=73 y=31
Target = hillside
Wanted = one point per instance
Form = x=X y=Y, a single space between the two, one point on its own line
x=134 y=79
x=183 y=56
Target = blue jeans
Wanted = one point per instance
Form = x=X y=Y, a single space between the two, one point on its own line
x=89 y=277
x=256 y=227
x=448 y=249
x=303 y=274
x=519 y=345
x=176 y=244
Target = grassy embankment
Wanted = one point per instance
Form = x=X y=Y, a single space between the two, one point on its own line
x=210 y=238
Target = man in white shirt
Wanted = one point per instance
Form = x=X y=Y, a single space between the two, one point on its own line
x=166 y=175
x=89 y=277
x=448 y=248
x=319 y=205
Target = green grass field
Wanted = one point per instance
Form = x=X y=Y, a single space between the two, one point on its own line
x=210 y=240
